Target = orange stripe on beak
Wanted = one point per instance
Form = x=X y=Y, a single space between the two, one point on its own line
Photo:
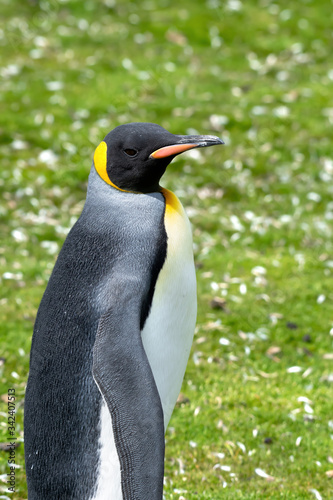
x=175 y=149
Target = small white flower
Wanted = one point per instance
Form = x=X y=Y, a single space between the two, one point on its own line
x=19 y=236
x=321 y=298
x=197 y=411
x=54 y=86
x=170 y=66
x=47 y=156
x=127 y=64
x=303 y=399
x=51 y=246
x=258 y=271
x=234 y=5
x=281 y=112
x=226 y=468
x=241 y=446
x=259 y=110
x=298 y=441
x=224 y=341
x=17 y=144
x=12 y=276
x=143 y=75
x=282 y=76
x=308 y=408
x=307 y=373
x=316 y=494
x=314 y=197
x=294 y=369
x=263 y=474
x=217 y=121
x=41 y=41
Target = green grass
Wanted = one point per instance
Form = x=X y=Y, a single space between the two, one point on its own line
x=260 y=75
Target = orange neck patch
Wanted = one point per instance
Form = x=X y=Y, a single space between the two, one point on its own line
x=177 y=227
x=172 y=204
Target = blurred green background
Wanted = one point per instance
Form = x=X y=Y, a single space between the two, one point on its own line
x=255 y=417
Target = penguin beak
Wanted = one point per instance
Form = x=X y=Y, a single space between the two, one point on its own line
x=184 y=143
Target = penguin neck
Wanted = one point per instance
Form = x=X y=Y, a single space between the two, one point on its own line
x=100 y=194
x=98 y=188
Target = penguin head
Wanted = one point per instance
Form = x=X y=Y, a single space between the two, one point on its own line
x=133 y=157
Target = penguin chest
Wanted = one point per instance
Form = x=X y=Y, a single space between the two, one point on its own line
x=168 y=332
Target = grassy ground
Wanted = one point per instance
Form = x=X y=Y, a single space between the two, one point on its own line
x=256 y=418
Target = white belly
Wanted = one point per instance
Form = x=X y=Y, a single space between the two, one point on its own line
x=168 y=332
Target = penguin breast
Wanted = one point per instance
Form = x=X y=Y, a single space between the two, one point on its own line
x=168 y=331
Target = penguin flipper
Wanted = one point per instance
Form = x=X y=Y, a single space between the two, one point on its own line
x=125 y=379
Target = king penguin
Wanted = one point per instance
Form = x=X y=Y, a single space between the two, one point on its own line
x=114 y=329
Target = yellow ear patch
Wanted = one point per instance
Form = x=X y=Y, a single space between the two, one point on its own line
x=100 y=161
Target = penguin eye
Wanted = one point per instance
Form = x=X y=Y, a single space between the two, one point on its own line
x=131 y=152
